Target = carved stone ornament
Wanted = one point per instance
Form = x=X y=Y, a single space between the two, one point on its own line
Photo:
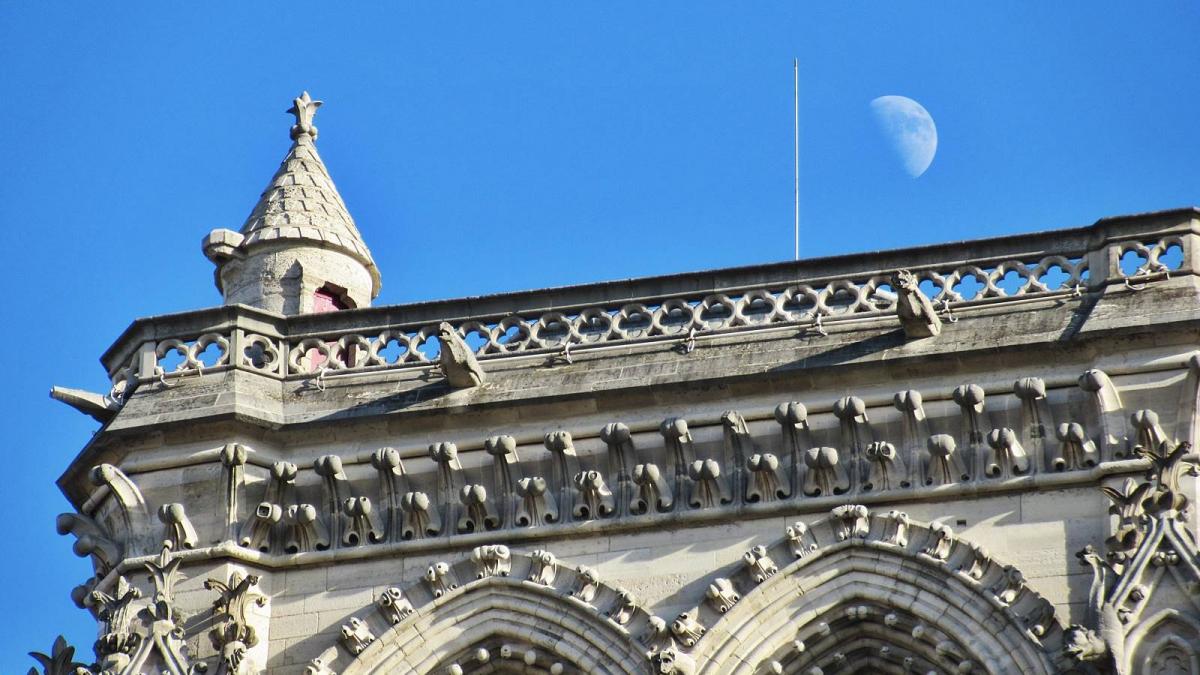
x=491 y=561
x=1150 y=535
x=916 y=313
x=232 y=634
x=393 y=605
x=457 y=359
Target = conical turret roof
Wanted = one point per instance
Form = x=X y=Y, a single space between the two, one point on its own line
x=301 y=201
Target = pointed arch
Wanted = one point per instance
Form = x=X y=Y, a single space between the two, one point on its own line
x=526 y=615
x=878 y=593
x=1168 y=636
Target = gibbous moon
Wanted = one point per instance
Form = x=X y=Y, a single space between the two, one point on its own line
x=909 y=129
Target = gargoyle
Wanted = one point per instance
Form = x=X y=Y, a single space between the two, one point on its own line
x=914 y=309
x=97 y=406
x=1106 y=643
x=457 y=360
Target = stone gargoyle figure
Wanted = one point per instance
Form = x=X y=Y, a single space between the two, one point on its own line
x=914 y=309
x=457 y=359
x=1105 y=644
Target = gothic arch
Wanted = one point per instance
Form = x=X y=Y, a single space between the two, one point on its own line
x=511 y=613
x=1169 y=638
x=871 y=593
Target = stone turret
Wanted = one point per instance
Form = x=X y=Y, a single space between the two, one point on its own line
x=299 y=251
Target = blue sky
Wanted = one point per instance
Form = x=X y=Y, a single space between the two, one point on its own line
x=497 y=146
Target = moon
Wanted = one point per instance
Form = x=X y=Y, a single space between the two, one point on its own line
x=909 y=129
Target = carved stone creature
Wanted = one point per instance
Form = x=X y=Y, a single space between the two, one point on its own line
x=320 y=665
x=97 y=406
x=759 y=562
x=623 y=608
x=587 y=584
x=457 y=359
x=800 y=540
x=722 y=595
x=357 y=635
x=914 y=309
x=852 y=522
x=543 y=568
x=940 y=542
x=393 y=605
x=440 y=578
x=898 y=524
x=1105 y=643
x=491 y=561
x=687 y=628
x=671 y=661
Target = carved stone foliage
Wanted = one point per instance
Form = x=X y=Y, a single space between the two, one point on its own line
x=134 y=632
x=854 y=626
x=60 y=660
x=678 y=475
x=507 y=587
x=233 y=634
x=1150 y=551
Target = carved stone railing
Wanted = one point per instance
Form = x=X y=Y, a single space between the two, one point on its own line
x=1127 y=251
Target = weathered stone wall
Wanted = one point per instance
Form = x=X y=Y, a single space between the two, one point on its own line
x=750 y=496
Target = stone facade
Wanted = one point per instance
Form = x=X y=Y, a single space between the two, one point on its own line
x=964 y=458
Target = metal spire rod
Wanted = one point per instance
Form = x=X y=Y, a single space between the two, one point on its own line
x=796 y=136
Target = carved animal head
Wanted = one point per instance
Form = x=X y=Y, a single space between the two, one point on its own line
x=437 y=571
x=446 y=332
x=1083 y=644
x=904 y=280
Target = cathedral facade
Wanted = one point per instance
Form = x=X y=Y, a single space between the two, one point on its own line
x=973 y=457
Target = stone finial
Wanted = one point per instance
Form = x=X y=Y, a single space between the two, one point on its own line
x=304 y=108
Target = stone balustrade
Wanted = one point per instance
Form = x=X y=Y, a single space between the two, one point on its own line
x=1126 y=252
